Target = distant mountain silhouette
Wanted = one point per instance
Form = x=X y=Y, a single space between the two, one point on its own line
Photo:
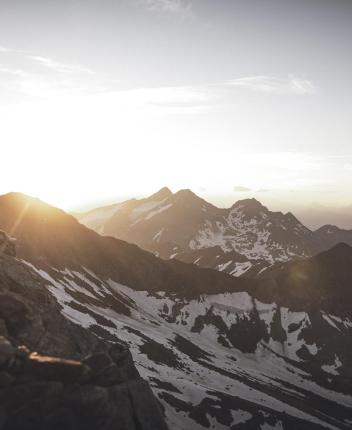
x=242 y=240
x=331 y=235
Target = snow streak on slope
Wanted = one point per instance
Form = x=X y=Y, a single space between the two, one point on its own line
x=248 y=233
x=249 y=236
x=98 y=217
x=148 y=210
x=218 y=361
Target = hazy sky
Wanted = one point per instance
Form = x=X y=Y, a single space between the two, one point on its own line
x=103 y=100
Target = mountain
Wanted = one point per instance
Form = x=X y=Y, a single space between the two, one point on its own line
x=320 y=281
x=49 y=238
x=218 y=351
x=331 y=235
x=241 y=240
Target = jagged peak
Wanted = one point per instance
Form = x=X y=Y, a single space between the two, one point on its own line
x=251 y=203
x=328 y=228
x=163 y=193
x=290 y=217
x=187 y=195
x=186 y=192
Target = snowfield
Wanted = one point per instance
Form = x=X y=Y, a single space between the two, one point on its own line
x=218 y=361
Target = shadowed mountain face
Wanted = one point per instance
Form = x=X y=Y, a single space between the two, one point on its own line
x=322 y=282
x=48 y=237
x=218 y=351
x=242 y=240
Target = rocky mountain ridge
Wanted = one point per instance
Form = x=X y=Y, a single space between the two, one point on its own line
x=242 y=240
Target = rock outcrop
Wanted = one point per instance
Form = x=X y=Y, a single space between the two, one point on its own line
x=93 y=385
x=30 y=315
x=103 y=391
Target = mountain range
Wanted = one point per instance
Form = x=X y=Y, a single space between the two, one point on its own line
x=219 y=351
x=242 y=240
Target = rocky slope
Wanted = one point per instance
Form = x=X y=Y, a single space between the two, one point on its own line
x=45 y=392
x=241 y=240
x=219 y=352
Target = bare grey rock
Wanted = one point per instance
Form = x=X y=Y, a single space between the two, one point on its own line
x=54 y=393
x=98 y=362
x=7 y=351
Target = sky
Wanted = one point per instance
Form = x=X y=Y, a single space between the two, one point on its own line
x=106 y=100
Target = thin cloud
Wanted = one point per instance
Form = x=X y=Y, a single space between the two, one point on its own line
x=4 y=49
x=58 y=66
x=241 y=189
x=226 y=92
x=273 y=85
x=13 y=72
x=171 y=6
x=39 y=76
x=46 y=62
x=31 y=72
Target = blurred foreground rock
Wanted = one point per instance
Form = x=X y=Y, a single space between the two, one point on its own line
x=101 y=392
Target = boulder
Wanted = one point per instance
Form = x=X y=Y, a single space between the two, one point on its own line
x=54 y=393
x=22 y=352
x=98 y=362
